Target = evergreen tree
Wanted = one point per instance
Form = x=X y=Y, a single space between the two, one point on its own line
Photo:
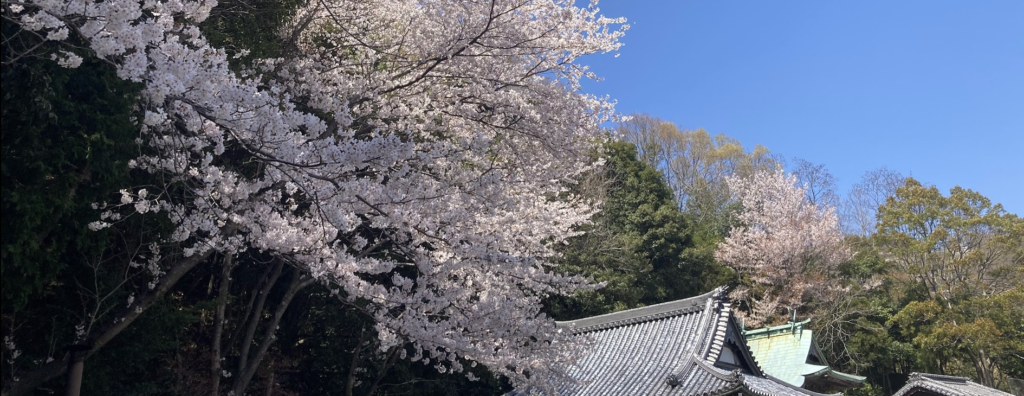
x=640 y=245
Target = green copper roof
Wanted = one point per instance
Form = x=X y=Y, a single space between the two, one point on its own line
x=783 y=351
x=840 y=376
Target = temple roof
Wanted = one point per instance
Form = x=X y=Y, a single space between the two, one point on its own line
x=934 y=384
x=789 y=352
x=682 y=348
x=829 y=379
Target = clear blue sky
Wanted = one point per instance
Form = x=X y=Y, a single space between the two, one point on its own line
x=933 y=89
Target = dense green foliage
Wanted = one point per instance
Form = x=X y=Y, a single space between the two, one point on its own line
x=947 y=296
x=640 y=245
x=67 y=138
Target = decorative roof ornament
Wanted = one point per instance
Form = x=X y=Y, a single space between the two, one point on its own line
x=673 y=380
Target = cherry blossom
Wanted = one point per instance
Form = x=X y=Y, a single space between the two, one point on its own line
x=781 y=241
x=446 y=130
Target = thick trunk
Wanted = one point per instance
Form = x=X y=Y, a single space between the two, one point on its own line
x=218 y=325
x=270 y=382
x=74 y=387
x=983 y=367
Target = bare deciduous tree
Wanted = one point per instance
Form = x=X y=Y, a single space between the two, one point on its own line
x=817 y=181
x=695 y=165
x=861 y=203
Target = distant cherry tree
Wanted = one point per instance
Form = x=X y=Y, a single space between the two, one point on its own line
x=782 y=243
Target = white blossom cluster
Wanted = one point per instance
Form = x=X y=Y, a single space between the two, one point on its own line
x=781 y=238
x=447 y=131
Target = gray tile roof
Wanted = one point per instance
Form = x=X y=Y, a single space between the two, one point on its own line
x=667 y=349
x=920 y=383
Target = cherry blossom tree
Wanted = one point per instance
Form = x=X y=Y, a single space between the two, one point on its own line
x=782 y=243
x=413 y=156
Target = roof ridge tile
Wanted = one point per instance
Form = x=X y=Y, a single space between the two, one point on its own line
x=642 y=314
